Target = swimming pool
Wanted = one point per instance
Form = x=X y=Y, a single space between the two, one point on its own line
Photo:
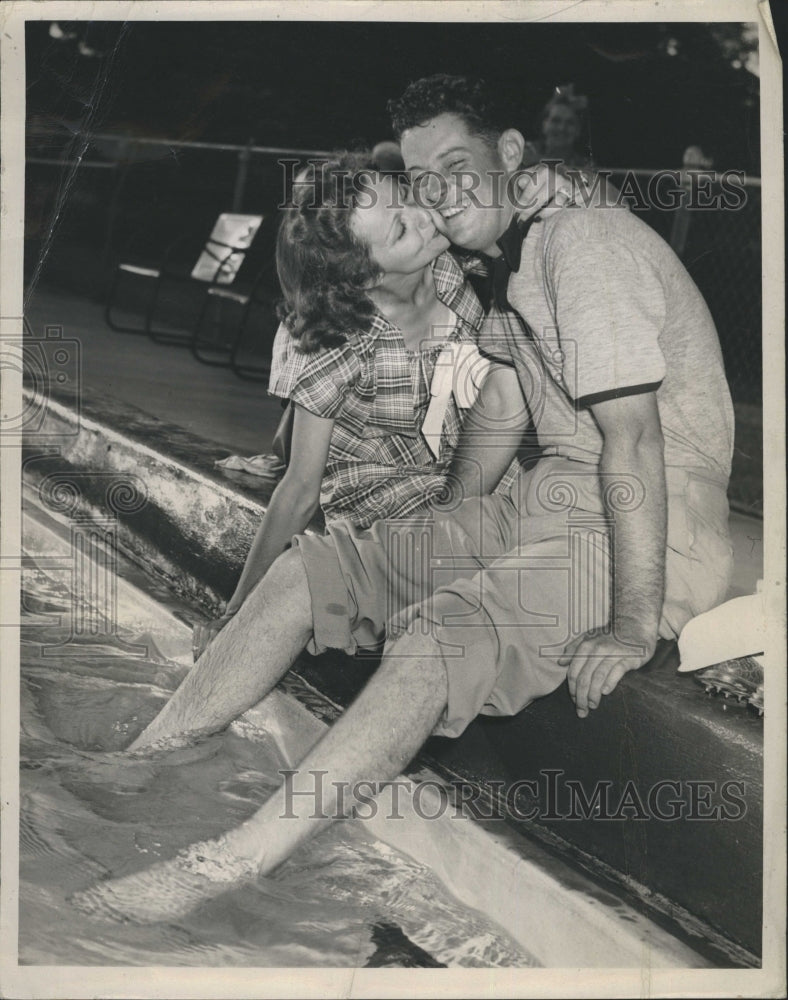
x=99 y=657
x=104 y=644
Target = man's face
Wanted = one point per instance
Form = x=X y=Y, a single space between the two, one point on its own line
x=458 y=173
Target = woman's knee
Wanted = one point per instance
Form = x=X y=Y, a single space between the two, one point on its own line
x=285 y=580
x=288 y=570
x=417 y=654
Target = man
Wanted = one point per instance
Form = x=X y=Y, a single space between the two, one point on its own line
x=616 y=536
x=630 y=386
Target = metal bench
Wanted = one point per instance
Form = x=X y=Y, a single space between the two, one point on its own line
x=216 y=265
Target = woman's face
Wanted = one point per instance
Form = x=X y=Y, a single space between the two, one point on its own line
x=402 y=238
x=560 y=129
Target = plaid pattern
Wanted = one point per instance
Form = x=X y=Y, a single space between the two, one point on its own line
x=377 y=391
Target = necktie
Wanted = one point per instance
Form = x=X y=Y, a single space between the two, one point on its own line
x=489 y=276
x=459 y=371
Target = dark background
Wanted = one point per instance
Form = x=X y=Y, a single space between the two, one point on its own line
x=653 y=88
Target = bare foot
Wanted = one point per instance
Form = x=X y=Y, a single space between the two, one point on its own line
x=170 y=889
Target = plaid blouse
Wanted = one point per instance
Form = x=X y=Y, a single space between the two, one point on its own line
x=377 y=392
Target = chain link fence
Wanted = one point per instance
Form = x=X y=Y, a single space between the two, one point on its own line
x=723 y=255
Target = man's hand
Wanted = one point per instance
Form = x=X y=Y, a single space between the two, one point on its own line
x=203 y=634
x=597 y=662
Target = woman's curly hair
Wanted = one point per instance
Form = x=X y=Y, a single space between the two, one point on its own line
x=324 y=268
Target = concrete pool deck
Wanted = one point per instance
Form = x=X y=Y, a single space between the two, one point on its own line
x=163 y=380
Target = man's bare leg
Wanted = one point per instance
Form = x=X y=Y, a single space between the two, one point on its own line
x=378 y=734
x=372 y=742
x=245 y=660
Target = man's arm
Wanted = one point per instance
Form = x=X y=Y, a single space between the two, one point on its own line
x=633 y=451
x=491 y=434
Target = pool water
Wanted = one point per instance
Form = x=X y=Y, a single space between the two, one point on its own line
x=88 y=813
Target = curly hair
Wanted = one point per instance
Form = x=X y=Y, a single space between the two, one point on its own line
x=324 y=269
x=440 y=94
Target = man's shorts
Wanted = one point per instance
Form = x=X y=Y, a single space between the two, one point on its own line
x=501 y=584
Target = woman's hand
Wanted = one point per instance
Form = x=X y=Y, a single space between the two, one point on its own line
x=204 y=634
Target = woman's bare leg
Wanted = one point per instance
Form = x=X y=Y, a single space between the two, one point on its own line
x=245 y=660
x=371 y=743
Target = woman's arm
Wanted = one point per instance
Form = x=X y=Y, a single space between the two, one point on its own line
x=292 y=506
x=293 y=503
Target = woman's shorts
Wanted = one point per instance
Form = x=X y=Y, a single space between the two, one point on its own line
x=499 y=585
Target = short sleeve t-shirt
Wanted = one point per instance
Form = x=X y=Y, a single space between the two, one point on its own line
x=611 y=311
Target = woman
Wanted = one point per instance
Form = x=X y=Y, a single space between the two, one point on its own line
x=371 y=301
x=564 y=131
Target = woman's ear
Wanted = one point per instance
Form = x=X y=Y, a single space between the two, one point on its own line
x=511 y=146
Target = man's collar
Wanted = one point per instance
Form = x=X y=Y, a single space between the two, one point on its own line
x=546 y=190
x=548 y=193
x=511 y=243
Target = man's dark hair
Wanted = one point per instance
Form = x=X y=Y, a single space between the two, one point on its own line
x=441 y=94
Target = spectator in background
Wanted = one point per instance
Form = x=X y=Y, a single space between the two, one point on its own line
x=564 y=130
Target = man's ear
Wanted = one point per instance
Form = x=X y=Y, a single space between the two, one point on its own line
x=511 y=146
